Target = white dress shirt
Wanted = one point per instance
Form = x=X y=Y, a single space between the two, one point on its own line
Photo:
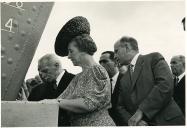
x=59 y=77
x=133 y=62
x=181 y=76
x=114 y=80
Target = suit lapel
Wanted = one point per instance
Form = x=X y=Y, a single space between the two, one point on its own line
x=182 y=80
x=126 y=82
x=117 y=83
x=137 y=71
x=181 y=83
x=63 y=79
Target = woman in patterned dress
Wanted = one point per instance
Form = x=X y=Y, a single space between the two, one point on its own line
x=87 y=97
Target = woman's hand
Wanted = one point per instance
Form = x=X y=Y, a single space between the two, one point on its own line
x=49 y=101
x=74 y=105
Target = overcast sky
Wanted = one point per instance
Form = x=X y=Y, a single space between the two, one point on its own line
x=156 y=26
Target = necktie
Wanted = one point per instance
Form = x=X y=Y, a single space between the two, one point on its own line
x=130 y=69
x=54 y=85
x=176 y=80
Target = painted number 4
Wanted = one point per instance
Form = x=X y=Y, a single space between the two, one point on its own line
x=9 y=24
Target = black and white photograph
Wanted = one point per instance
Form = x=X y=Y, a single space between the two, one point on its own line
x=93 y=63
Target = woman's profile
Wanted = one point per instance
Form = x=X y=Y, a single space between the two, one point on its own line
x=87 y=97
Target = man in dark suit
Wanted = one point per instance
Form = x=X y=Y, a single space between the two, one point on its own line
x=108 y=62
x=54 y=81
x=178 y=69
x=145 y=93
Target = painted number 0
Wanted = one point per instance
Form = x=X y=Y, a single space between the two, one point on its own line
x=9 y=24
x=19 y=4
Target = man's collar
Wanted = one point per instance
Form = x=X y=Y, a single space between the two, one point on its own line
x=115 y=76
x=133 y=62
x=181 y=76
x=59 y=77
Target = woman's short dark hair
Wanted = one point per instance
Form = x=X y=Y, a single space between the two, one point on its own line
x=85 y=44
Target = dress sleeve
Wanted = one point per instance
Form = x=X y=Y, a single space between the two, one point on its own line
x=98 y=94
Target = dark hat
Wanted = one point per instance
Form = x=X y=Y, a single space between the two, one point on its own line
x=74 y=27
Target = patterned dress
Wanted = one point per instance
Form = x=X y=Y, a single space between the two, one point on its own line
x=93 y=86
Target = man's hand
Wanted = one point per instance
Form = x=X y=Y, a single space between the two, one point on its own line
x=142 y=123
x=25 y=89
x=135 y=119
x=21 y=95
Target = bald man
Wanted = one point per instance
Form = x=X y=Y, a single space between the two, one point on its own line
x=145 y=91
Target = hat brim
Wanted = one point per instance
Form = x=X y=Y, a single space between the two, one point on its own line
x=74 y=27
x=61 y=44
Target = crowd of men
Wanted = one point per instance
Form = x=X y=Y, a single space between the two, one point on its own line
x=53 y=80
x=145 y=89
